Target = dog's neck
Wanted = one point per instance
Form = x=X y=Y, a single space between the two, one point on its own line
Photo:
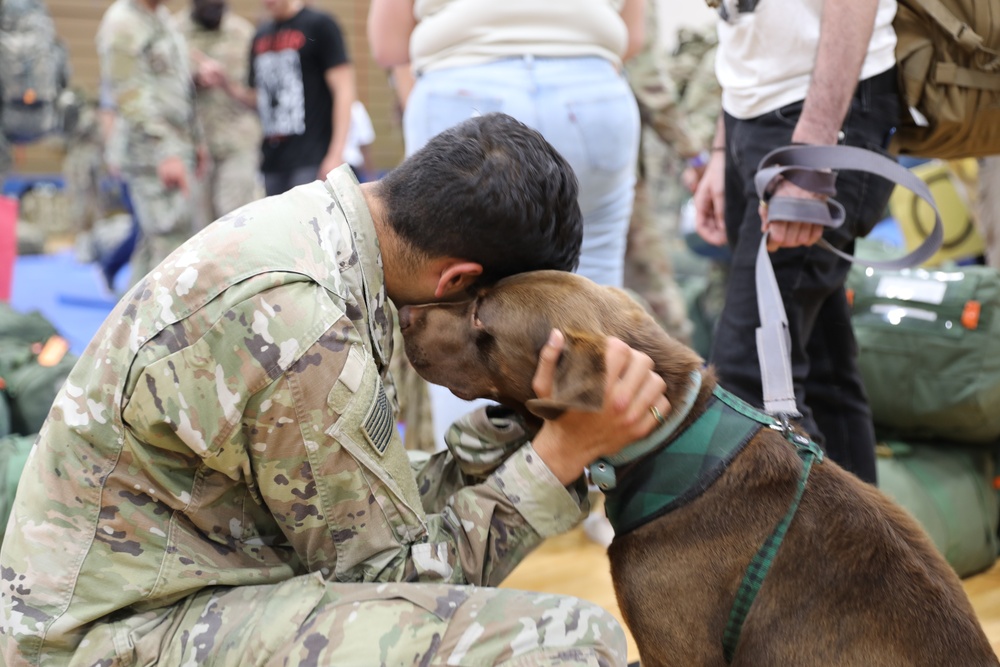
x=680 y=470
x=602 y=471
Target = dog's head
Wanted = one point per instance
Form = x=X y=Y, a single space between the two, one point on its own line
x=488 y=347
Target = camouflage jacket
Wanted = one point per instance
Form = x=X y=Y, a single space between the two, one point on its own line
x=231 y=424
x=144 y=60
x=229 y=126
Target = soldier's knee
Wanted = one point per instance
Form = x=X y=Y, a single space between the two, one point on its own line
x=609 y=638
x=587 y=631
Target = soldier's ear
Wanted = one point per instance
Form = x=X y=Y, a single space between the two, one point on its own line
x=579 y=378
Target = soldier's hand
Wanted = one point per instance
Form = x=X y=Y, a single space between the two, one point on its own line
x=209 y=73
x=710 y=203
x=577 y=438
x=173 y=174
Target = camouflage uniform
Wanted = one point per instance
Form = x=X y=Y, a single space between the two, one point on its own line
x=83 y=169
x=232 y=131
x=220 y=481
x=144 y=61
x=648 y=267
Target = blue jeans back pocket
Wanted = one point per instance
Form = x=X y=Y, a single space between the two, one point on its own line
x=607 y=129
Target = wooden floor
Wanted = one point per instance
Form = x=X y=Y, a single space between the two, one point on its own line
x=572 y=564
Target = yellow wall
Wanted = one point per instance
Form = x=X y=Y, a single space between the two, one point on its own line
x=77 y=20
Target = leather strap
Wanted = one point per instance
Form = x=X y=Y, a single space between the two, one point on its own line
x=814 y=168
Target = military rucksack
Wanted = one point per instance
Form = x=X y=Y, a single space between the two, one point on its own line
x=948 y=53
x=34 y=73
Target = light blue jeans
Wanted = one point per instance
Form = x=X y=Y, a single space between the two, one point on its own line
x=585 y=109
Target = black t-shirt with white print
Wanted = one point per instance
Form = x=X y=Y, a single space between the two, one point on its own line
x=288 y=62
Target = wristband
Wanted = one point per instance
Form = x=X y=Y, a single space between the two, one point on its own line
x=698 y=161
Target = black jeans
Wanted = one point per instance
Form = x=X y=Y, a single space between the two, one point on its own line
x=828 y=386
x=278 y=182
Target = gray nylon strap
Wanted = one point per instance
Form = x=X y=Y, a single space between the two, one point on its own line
x=794 y=163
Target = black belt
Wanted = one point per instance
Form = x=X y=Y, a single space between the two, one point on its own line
x=886 y=82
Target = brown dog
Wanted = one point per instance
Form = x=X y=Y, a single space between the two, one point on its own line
x=855 y=581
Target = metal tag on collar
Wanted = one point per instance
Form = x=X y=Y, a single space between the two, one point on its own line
x=603 y=475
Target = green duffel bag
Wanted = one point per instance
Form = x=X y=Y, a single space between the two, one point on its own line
x=30 y=327
x=949 y=490
x=929 y=350
x=32 y=388
x=14 y=450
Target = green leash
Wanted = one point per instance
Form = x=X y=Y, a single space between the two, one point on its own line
x=755 y=573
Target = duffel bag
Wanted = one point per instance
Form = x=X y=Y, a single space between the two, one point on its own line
x=31 y=327
x=949 y=491
x=32 y=387
x=929 y=350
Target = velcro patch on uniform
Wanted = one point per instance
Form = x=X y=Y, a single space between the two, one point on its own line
x=378 y=422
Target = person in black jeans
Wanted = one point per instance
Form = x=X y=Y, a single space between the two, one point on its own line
x=845 y=77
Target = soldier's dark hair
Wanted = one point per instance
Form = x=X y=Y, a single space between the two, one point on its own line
x=489 y=190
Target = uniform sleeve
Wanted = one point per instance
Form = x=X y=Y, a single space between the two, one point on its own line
x=331 y=468
x=656 y=96
x=127 y=67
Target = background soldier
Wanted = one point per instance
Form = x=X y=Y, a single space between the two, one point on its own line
x=144 y=61
x=219 y=42
x=671 y=159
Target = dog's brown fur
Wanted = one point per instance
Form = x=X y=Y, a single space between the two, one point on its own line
x=856 y=581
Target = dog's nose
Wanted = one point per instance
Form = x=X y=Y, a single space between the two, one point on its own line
x=405 y=317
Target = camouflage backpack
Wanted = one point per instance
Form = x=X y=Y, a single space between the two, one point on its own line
x=34 y=73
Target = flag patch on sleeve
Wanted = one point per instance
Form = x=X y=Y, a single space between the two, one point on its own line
x=378 y=423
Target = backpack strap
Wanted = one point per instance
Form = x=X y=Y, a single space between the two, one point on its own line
x=959 y=30
x=813 y=168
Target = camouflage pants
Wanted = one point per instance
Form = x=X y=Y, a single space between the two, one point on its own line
x=83 y=168
x=166 y=219
x=232 y=181
x=308 y=621
x=649 y=272
x=988 y=207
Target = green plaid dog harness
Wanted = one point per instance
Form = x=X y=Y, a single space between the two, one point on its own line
x=684 y=468
x=753 y=578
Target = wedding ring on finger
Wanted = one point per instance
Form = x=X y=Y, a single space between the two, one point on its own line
x=656 y=415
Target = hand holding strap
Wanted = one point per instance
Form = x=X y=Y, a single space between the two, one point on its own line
x=814 y=168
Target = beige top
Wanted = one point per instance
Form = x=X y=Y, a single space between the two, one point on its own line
x=456 y=33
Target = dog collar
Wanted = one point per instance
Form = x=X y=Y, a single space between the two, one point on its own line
x=683 y=469
x=602 y=471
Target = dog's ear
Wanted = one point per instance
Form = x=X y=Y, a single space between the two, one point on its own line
x=579 y=380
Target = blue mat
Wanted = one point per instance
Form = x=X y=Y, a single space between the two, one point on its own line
x=70 y=294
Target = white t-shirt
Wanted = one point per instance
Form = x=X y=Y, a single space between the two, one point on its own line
x=765 y=57
x=459 y=33
x=359 y=133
